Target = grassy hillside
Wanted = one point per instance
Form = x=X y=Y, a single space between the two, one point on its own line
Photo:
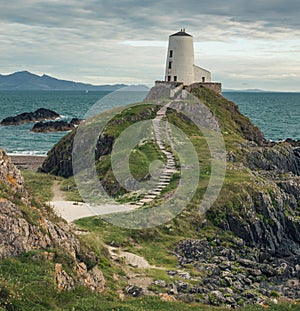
x=230 y=253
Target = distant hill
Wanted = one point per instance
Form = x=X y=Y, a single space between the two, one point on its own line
x=246 y=90
x=25 y=80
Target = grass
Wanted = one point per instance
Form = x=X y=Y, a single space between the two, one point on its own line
x=142 y=156
x=27 y=284
x=69 y=187
x=39 y=185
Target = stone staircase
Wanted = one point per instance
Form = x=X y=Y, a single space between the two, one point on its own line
x=161 y=133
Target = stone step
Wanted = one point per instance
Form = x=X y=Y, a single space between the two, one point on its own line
x=165 y=174
x=160 y=187
x=165 y=178
x=150 y=196
x=155 y=192
x=139 y=204
x=170 y=170
x=163 y=182
x=146 y=200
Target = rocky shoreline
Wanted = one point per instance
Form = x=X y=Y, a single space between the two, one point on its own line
x=55 y=126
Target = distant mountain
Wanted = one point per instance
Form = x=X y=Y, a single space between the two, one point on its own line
x=25 y=80
x=246 y=91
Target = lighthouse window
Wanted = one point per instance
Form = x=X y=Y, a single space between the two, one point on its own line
x=170 y=65
x=175 y=78
x=169 y=78
x=171 y=53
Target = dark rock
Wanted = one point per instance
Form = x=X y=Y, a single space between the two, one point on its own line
x=181 y=286
x=292 y=142
x=38 y=115
x=59 y=160
x=281 y=157
x=173 y=289
x=172 y=272
x=52 y=126
x=134 y=291
x=75 y=121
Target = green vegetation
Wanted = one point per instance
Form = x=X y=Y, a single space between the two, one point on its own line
x=27 y=284
x=141 y=157
x=69 y=187
x=39 y=185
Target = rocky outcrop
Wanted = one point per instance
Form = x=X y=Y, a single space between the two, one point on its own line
x=93 y=278
x=234 y=274
x=62 y=279
x=11 y=177
x=52 y=126
x=279 y=157
x=25 y=227
x=163 y=89
x=293 y=142
x=40 y=114
x=59 y=158
x=76 y=121
x=17 y=234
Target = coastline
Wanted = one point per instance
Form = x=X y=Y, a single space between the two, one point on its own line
x=27 y=162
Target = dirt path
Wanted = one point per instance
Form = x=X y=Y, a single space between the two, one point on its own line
x=58 y=194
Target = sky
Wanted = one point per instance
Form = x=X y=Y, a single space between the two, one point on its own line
x=245 y=44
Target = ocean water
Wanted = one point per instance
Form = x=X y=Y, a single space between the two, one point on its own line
x=18 y=139
x=277 y=114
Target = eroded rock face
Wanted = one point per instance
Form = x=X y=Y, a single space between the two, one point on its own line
x=24 y=228
x=38 y=115
x=62 y=279
x=10 y=177
x=281 y=157
x=92 y=279
x=17 y=235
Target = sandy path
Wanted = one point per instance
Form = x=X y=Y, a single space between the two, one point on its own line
x=70 y=210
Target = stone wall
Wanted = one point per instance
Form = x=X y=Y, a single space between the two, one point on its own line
x=214 y=86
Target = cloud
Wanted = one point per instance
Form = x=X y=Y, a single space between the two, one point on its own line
x=96 y=40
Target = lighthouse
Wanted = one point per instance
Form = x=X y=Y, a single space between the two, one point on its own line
x=180 y=61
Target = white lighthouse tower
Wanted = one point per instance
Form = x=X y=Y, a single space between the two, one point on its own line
x=180 y=61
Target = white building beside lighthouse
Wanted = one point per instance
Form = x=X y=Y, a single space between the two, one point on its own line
x=180 y=61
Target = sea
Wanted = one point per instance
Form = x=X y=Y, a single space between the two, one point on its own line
x=276 y=114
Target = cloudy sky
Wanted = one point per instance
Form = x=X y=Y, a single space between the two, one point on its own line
x=245 y=44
